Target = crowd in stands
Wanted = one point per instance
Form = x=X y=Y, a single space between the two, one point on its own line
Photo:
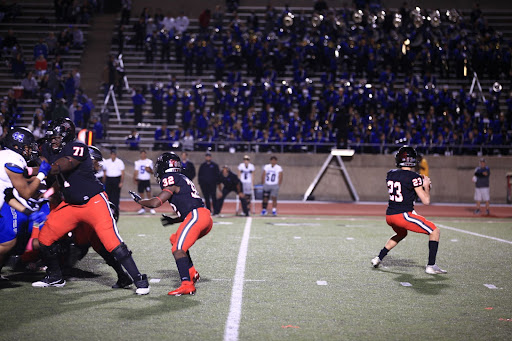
x=362 y=56
x=48 y=80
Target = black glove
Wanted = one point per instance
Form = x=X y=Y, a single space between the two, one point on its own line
x=166 y=220
x=135 y=196
x=8 y=194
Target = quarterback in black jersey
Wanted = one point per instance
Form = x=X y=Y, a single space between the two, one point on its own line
x=404 y=186
x=195 y=220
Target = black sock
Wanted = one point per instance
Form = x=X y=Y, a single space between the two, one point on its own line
x=432 y=251
x=183 y=266
x=190 y=260
x=383 y=253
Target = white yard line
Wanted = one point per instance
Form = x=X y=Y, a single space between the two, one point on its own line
x=235 y=308
x=475 y=234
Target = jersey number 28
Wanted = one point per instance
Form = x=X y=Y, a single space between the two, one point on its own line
x=395 y=191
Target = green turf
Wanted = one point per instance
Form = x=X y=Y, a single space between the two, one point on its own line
x=281 y=297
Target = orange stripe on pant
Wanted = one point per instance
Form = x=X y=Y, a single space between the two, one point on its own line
x=96 y=213
x=410 y=221
x=196 y=225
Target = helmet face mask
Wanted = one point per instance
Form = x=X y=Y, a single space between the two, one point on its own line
x=168 y=162
x=20 y=140
x=406 y=157
x=60 y=132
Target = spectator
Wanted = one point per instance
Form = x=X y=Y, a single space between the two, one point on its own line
x=204 y=21
x=228 y=182
x=187 y=167
x=41 y=66
x=18 y=67
x=481 y=180
x=126 y=12
x=51 y=42
x=113 y=177
x=162 y=138
x=138 y=101
x=41 y=48
x=208 y=176
x=133 y=140
x=187 y=141
x=30 y=86
x=60 y=110
x=182 y=23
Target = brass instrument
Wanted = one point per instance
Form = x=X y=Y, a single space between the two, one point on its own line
x=357 y=16
x=397 y=20
x=453 y=15
x=435 y=18
x=316 y=20
x=288 y=19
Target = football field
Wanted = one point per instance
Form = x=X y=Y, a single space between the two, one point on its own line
x=282 y=278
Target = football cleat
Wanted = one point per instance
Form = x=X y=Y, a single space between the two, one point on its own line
x=49 y=282
x=274 y=212
x=152 y=211
x=123 y=281
x=434 y=270
x=141 y=211
x=194 y=277
x=142 y=285
x=187 y=288
x=477 y=211
x=376 y=262
x=264 y=212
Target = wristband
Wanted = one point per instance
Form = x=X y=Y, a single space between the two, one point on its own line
x=41 y=176
x=27 y=212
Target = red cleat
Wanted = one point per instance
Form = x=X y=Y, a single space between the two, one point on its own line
x=194 y=275
x=187 y=288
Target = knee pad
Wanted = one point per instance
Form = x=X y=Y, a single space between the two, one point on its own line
x=121 y=252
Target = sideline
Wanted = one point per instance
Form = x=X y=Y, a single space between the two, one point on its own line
x=235 y=308
x=474 y=234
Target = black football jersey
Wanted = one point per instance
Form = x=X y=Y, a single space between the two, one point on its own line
x=80 y=184
x=401 y=184
x=187 y=199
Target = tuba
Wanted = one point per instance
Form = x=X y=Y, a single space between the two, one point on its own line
x=316 y=20
x=357 y=16
x=397 y=20
x=452 y=15
x=288 y=19
x=435 y=18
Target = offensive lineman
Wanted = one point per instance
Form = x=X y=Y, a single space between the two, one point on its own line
x=404 y=185
x=195 y=218
x=85 y=201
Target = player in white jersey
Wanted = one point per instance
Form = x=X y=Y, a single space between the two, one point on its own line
x=142 y=171
x=272 y=179
x=245 y=171
x=13 y=163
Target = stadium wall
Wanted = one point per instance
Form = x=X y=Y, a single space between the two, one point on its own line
x=451 y=176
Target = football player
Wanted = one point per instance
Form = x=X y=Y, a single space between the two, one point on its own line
x=404 y=185
x=84 y=201
x=195 y=220
x=18 y=149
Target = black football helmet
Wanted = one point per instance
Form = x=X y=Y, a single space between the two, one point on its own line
x=20 y=140
x=95 y=153
x=406 y=157
x=63 y=127
x=168 y=162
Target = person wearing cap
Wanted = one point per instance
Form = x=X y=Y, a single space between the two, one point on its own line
x=207 y=176
x=481 y=180
x=228 y=182
x=113 y=177
x=245 y=172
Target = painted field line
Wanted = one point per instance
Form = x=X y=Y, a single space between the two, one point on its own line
x=235 y=308
x=475 y=234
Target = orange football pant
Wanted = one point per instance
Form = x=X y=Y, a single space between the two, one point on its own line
x=410 y=221
x=95 y=213
x=196 y=225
